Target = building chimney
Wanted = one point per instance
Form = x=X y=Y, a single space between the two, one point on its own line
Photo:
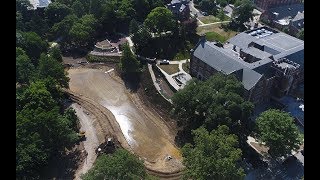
x=202 y=38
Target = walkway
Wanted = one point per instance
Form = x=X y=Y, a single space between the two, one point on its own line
x=170 y=78
x=154 y=80
x=213 y=23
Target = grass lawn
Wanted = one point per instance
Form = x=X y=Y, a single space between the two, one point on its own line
x=181 y=55
x=170 y=68
x=213 y=36
x=215 y=32
x=186 y=66
x=209 y=19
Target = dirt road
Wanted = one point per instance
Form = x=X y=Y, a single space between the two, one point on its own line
x=143 y=130
x=91 y=142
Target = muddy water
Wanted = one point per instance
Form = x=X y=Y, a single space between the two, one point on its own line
x=144 y=131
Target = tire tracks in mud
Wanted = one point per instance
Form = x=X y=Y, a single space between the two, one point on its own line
x=106 y=125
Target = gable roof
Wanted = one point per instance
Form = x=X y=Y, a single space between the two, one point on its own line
x=222 y=61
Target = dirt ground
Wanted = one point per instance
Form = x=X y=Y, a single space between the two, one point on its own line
x=138 y=129
x=91 y=142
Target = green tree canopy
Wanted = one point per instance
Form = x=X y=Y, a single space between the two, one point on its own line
x=50 y=67
x=277 y=129
x=62 y=28
x=160 y=20
x=78 y=8
x=24 y=67
x=81 y=32
x=243 y=11
x=141 y=38
x=209 y=6
x=32 y=44
x=216 y=101
x=300 y=34
x=56 y=11
x=55 y=53
x=128 y=62
x=133 y=26
x=41 y=130
x=213 y=155
x=120 y=165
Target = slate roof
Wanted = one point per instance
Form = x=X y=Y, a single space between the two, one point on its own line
x=286 y=11
x=222 y=61
x=216 y=58
x=250 y=78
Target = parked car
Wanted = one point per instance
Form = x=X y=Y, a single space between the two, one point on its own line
x=204 y=13
x=164 y=62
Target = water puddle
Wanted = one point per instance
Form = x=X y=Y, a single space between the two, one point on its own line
x=123 y=121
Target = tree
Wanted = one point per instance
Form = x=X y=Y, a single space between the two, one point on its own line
x=22 y=7
x=78 y=9
x=222 y=3
x=120 y=165
x=56 y=11
x=277 y=129
x=50 y=67
x=32 y=44
x=126 y=12
x=142 y=7
x=41 y=130
x=81 y=32
x=38 y=25
x=216 y=101
x=109 y=17
x=213 y=156
x=221 y=15
x=160 y=20
x=300 y=34
x=243 y=11
x=62 y=28
x=24 y=67
x=208 y=5
x=133 y=27
x=128 y=62
x=141 y=38
x=19 y=21
x=55 y=53
x=36 y=96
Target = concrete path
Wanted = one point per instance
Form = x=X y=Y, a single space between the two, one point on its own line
x=170 y=78
x=154 y=80
x=213 y=23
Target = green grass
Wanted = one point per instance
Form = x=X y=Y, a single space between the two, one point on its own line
x=170 y=68
x=213 y=36
x=181 y=55
x=186 y=66
x=209 y=19
x=215 y=32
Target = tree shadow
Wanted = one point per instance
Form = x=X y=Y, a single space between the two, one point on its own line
x=131 y=81
x=62 y=166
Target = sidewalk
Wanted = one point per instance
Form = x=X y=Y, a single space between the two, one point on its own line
x=170 y=78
